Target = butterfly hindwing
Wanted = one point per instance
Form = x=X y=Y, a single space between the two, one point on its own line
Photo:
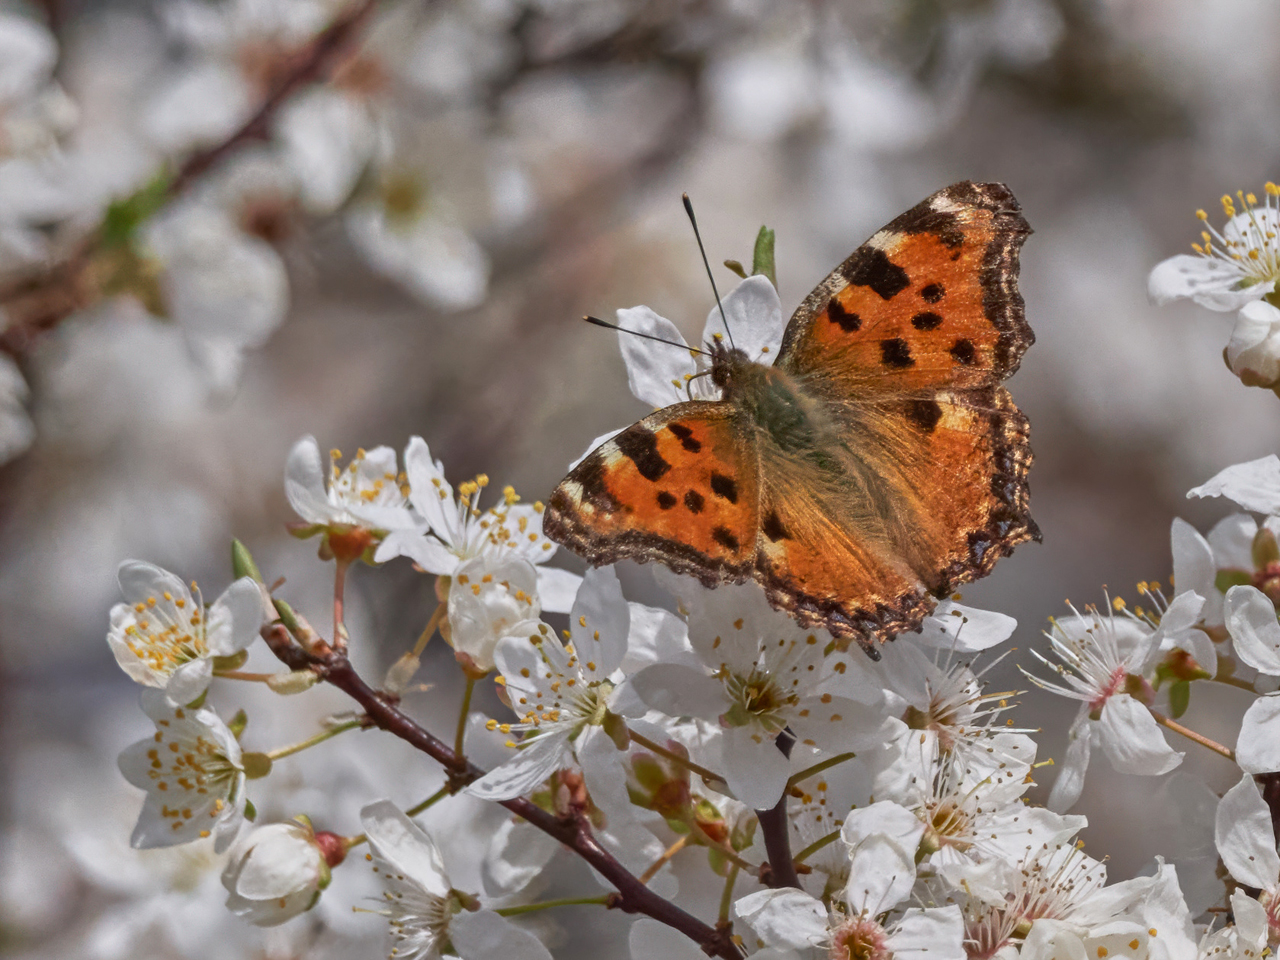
x=930 y=300
x=681 y=484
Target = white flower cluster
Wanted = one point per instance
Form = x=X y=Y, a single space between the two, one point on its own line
x=832 y=805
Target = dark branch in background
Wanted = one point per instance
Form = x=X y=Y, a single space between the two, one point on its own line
x=773 y=826
x=38 y=303
x=575 y=833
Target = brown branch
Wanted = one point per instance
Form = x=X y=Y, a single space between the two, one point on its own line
x=38 y=303
x=574 y=832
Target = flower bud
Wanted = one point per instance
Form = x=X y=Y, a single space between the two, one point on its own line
x=294 y=682
x=1253 y=353
x=277 y=872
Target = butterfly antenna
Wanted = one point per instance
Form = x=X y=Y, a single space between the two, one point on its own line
x=647 y=336
x=688 y=208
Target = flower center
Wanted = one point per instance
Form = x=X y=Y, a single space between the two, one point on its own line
x=164 y=636
x=859 y=939
x=1250 y=241
x=757 y=699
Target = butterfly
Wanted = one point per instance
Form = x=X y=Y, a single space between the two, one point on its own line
x=873 y=467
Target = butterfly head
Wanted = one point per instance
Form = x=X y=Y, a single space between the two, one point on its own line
x=731 y=369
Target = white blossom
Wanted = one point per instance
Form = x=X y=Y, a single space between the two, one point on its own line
x=368 y=492
x=1103 y=662
x=1238 y=266
x=425 y=913
x=761 y=673
x=163 y=636
x=452 y=530
x=192 y=773
x=274 y=873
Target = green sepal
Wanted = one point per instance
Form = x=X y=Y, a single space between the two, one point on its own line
x=616 y=727
x=305 y=531
x=762 y=261
x=315 y=898
x=238 y=723
x=124 y=215
x=287 y=616
x=744 y=834
x=1179 y=697
x=232 y=661
x=1226 y=579
x=242 y=564
x=1265 y=548
x=198 y=702
x=718 y=862
x=250 y=811
x=737 y=268
x=326 y=878
x=256 y=765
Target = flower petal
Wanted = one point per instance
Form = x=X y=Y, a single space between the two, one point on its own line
x=1070 y=781
x=784 y=918
x=933 y=934
x=754 y=767
x=651 y=940
x=235 y=618
x=526 y=770
x=1194 y=567
x=599 y=623
x=1254 y=485
x=655 y=372
x=953 y=626
x=755 y=319
x=304 y=482
x=1131 y=738
x=557 y=589
x=402 y=843
x=1245 y=837
x=680 y=691
x=429 y=490
x=1208 y=281
x=1258 y=746
x=1251 y=620
x=487 y=936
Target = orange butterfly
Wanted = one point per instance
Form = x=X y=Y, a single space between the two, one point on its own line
x=874 y=466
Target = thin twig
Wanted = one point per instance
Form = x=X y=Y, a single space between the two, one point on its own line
x=574 y=832
x=1190 y=734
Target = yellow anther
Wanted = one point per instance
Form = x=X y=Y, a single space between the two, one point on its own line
x=482 y=480
x=1202 y=215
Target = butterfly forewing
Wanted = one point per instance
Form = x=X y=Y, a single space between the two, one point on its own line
x=930 y=300
x=681 y=483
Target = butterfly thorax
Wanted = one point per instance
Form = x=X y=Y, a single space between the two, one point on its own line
x=773 y=399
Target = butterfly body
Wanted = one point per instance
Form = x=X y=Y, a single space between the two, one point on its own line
x=874 y=465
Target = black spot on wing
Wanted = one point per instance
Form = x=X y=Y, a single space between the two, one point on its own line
x=685 y=436
x=896 y=352
x=846 y=321
x=870 y=267
x=923 y=218
x=724 y=487
x=932 y=292
x=925 y=414
x=726 y=539
x=773 y=528
x=640 y=446
x=666 y=500
x=926 y=320
x=964 y=352
x=694 y=501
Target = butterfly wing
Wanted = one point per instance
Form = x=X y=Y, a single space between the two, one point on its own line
x=904 y=345
x=680 y=486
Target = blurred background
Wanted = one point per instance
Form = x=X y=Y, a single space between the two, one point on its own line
x=430 y=195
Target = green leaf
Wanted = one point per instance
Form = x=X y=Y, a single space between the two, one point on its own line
x=242 y=564
x=126 y=214
x=762 y=261
x=250 y=811
x=1226 y=579
x=1179 y=698
x=238 y=723
x=737 y=268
